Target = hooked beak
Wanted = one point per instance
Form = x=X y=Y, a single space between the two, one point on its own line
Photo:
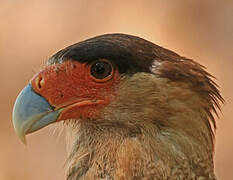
x=32 y=112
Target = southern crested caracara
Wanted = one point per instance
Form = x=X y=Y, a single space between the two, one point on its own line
x=135 y=110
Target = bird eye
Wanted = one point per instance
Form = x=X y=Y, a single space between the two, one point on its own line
x=101 y=69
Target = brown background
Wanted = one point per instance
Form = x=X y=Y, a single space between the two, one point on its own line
x=31 y=31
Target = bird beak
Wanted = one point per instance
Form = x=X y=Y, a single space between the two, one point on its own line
x=32 y=112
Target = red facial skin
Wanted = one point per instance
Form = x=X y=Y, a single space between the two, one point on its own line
x=71 y=86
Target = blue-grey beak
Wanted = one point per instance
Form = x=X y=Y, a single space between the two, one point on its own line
x=31 y=113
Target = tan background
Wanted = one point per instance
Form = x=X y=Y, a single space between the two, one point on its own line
x=31 y=31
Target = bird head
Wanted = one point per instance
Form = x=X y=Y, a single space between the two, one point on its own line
x=125 y=82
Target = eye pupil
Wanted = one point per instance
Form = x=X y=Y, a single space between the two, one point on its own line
x=101 y=69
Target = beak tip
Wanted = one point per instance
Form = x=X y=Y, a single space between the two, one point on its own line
x=23 y=140
x=20 y=134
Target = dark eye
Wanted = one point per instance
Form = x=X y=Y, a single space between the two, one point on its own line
x=101 y=69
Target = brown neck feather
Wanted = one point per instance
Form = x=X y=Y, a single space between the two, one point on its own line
x=161 y=130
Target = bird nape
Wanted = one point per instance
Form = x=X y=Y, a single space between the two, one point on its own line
x=134 y=110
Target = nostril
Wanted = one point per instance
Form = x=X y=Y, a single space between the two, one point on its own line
x=39 y=81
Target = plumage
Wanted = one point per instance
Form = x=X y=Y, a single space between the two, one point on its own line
x=133 y=110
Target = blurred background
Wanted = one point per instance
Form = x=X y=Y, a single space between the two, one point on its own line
x=32 y=30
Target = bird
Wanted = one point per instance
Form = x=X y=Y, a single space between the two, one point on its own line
x=133 y=110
